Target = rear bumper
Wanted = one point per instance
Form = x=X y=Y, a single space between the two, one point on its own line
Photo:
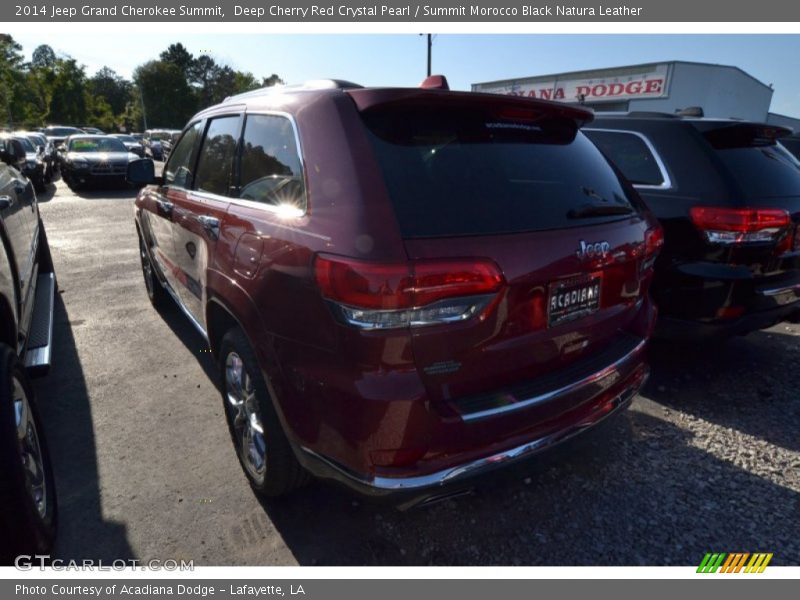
x=612 y=390
x=684 y=330
x=688 y=312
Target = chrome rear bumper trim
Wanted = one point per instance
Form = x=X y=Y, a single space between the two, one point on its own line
x=380 y=486
x=596 y=378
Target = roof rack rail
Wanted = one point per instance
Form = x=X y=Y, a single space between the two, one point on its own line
x=312 y=84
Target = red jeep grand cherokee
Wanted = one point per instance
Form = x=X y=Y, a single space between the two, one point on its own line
x=402 y=287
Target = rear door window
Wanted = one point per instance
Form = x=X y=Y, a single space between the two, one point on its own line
x=632 y=154
x=470 y=172
x=216 y=156
x=271 y=170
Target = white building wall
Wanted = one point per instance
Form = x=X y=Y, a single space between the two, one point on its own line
x=784 y=121
x=721 y=91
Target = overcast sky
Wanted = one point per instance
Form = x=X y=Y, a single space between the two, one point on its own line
x=464 y=59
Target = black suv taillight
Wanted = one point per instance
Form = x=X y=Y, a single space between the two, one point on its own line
x=737 y=226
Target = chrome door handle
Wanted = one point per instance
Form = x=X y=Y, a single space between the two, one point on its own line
x=6 y=202
x=210 y=224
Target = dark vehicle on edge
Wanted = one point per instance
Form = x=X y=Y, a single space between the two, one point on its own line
x=35 y=165
x=728 y=197
x=95 y=160
x=133 y=145
x=403 y=288
x=27 y=287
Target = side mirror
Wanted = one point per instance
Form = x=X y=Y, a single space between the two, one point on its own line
x=40 y=148
x=61 y=148
x=142 y=172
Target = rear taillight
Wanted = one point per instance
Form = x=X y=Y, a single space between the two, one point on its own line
x=384 y=296
x=732 y=226
x=653 y=242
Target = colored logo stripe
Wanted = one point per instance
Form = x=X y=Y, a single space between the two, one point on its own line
x=734 y=562
x=758 y=563
x=711 y=562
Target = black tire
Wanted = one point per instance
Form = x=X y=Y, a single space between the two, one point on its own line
x=25 y=526
x=39 y=185
x=155 y=289
x=281 y=471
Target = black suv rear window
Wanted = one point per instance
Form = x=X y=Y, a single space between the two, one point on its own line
x=468 y=172
x=760 y=166
x=792 y=145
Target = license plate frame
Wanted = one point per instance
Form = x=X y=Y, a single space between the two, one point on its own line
x=573 y=298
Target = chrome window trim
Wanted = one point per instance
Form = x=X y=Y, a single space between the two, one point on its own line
x=667 y=183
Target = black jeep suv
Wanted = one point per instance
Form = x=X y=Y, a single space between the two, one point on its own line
x=728 y=197
x=27 y=286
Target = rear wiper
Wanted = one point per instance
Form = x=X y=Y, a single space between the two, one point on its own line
x=598 y=210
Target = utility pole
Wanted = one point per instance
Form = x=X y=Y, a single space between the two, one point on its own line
x=144 y=114
x=430 y=45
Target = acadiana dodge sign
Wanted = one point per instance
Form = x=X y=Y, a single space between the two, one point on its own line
x=650 y=81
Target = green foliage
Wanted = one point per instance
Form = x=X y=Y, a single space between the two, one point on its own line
x=55 y=89
x=167 y=98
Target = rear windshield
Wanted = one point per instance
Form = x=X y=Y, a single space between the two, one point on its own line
x=468 y=172
x=761 y=167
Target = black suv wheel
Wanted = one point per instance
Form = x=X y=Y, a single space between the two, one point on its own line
x=27 y=487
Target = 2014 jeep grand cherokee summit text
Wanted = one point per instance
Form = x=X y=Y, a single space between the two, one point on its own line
x=402 y=287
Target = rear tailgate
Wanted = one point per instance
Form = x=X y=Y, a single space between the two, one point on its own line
x=766 y=177
x=519 y=185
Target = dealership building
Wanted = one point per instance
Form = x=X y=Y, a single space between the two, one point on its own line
x=720 y=90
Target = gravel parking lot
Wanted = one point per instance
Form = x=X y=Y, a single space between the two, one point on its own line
x=707 y=459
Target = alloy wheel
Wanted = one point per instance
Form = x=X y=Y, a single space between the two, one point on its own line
x=245 y=417
x=147 y=270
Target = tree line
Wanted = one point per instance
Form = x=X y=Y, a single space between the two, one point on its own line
x=55 y=89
